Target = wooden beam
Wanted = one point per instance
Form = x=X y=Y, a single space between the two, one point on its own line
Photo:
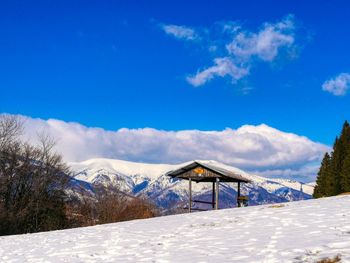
x=217 y=194
x=213 y=195
x=195 y=209
x=203 y=202
x=238 y=194
x=190 y=195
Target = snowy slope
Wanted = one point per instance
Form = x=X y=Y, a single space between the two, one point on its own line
x=303 y=231
x=150 y=180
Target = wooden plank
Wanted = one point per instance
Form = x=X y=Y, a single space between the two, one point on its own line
x=196 y=209
x=238 y=194
x=217 y=194
x=203 y=202
x=190 y=195
x=199 y=209
x=213 y=196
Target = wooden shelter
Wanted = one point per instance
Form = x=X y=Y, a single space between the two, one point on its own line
x=198 y=172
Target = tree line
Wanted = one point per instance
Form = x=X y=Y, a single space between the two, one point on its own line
x=333 y=177
x=33 y=189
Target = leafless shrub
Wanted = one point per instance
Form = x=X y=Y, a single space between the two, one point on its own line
x=139 y=208
x=10 y=128
x=335 y=259
x=32 y=182
x=111 y=205
x=81 y=213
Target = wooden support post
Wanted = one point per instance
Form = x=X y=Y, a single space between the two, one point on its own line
x=238 y=194
x=217 y=194
x=190 y=195
x=213 y=196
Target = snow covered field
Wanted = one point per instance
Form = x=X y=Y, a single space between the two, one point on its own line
x=303 y=231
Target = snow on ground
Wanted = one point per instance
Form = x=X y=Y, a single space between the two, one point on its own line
x=302 y=231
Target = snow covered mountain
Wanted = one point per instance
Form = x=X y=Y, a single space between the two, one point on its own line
x=149 y=179
x=305 y=231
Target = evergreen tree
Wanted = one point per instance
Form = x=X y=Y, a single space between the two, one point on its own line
x=344 y=176
x=334 y=174
x=340 y=153
x=322 y=182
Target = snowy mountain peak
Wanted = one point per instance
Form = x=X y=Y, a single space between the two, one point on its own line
x=151 y=180
x=125 y=167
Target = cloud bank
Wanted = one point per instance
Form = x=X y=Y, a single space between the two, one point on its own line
x=338 y=85
x=235 y=50
x=180 y=32
x=254 y=148
x=223 y=67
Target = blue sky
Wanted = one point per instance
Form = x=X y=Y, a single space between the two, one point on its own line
x=111 y=64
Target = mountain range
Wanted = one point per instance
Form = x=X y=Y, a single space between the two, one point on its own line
x=151 y=181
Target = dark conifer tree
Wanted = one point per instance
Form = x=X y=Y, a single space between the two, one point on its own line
x=322 y=183
x=334 y=175
x=344 y=175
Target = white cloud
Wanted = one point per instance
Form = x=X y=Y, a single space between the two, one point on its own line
x=180 y=32
x=236 y=49
x=266 y=43
x=339 y=85
x=249 y=147
x=305 y=173
x=223 y=66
